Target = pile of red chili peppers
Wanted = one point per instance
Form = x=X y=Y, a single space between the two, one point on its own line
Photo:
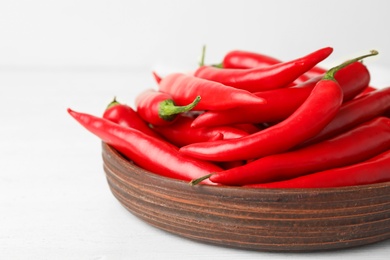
x=258 y=122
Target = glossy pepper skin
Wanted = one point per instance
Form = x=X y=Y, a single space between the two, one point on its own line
x=307 y=121
x=215 y=96
x=374 y=170
x=159 y=108
x=181 y=133
x=281 y=103
x=125 y=115
x=353 y=79
x=359 y=144
x=264 y=78
x=146 y=151
x=367 y=90
x=239 y=59
x=354 y=112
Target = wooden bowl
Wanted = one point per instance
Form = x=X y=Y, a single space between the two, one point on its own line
x=248 y=218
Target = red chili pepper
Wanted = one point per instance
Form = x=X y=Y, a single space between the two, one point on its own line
x=264 y=78
x=157 y=78
x=159 y=108
x=239 y=59
x=215 y=96
x=125 y=115
x=181 y=133
x=367 y=90
x=353 y=79
x=307 y=121
x=148 y=152
x=374 y=170
x=361 y=143
x=281 y=103
x=353 y=113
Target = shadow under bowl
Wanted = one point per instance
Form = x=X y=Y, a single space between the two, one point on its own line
x=251 y=218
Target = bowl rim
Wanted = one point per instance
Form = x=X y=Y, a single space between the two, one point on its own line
x=345 y=189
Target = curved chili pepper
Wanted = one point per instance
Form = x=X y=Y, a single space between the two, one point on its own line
x=264 y=78
x=148 y=152
x=126 y=116
x=361 y=143
x=354 y=112
x=181 y=133
x=281 y=103
x=307 y=121
x=159 y=108
x=239 y=59
x=374 y=170
x=215 y=96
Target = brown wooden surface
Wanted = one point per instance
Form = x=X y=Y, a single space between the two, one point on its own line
x=259 y=219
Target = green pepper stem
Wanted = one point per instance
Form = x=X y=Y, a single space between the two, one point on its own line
x=168 y=110
x=201 y=62
x=113 y=103
x=202 y=57
x=219 y=65
x=199 y=180
x=329 y=75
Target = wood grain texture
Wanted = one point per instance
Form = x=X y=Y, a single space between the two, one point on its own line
x=256 y=219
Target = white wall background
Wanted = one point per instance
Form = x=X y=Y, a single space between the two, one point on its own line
x=125 y=34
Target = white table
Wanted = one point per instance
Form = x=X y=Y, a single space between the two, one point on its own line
x=54 y=198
